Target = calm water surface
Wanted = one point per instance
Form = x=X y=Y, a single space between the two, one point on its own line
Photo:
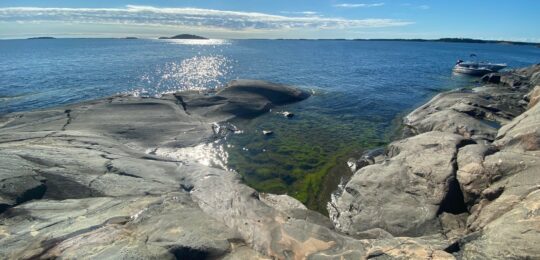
x=359 y=89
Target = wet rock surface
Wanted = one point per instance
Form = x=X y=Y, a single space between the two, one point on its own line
x=478 y=191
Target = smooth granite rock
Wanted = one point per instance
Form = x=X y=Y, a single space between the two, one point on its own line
x=523 y=133
x=533 y=97
x=507 y=217
x=405 y=194
x=471 y=173
x=476 y=113
x=464 y=113
x=109 y=179
x=106 y=193
x=18 y=181
x=241 y=98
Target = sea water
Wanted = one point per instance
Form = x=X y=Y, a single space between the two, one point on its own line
x=359 y=91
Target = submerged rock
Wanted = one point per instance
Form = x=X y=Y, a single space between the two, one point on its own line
x=287 y=114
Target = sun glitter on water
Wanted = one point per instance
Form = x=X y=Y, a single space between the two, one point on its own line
x=198 y=41
x=196 y=73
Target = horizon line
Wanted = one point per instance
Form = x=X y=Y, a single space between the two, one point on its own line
x=458 y=39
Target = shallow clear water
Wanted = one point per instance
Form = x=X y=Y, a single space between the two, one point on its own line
x=359 y=88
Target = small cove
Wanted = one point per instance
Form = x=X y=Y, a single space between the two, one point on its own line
x=360 y=90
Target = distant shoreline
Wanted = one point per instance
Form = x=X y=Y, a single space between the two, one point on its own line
x=41 y=38
x=448 y=40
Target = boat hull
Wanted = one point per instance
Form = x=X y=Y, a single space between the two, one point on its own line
x=472 y=71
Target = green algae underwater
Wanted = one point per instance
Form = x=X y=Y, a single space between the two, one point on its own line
x=305 y=156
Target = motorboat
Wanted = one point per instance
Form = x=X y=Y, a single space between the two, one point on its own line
x=477 y=68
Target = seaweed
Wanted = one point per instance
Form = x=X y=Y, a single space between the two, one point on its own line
x=304 y=156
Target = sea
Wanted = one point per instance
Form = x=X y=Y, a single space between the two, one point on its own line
x=360 y=90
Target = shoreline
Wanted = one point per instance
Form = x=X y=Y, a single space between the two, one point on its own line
x=452 y=188
x=463 y=156
x=446 y=40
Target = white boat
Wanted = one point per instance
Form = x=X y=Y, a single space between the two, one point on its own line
x=476 y=68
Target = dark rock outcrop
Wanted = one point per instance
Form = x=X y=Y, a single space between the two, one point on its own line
x=241 y=98
x=493 y=78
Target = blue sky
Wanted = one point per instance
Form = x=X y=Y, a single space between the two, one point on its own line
x=500 y=20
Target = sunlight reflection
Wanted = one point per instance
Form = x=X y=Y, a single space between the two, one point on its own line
x=209 y=154
x=198 y=41
x=196 y=73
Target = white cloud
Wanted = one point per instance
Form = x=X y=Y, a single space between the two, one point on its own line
x=187 y=17
x=300 y=13
x=358 y=5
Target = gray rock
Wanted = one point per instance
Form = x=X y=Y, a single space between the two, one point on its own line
x=102 y=179
x=427 y=247
x=463 y=113
x=454 y=226
x=275 y=93
x=116 y=186
x=471 y=173
x=241 y=98
x=507 y=215
x=493 y=78
x=498 y=181
x=523 y=133
x=371 y=157
x=129 y=227
x=533 y=97
x=18 y=181
x=405 y=194
x=111 y=193
x=475 y=114
x=512 y=80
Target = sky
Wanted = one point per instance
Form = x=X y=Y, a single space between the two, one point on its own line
x=349 y=19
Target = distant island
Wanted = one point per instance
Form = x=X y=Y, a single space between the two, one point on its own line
x=458 y=40
x=41 y=38
x=185 y=37
x=131 y=38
